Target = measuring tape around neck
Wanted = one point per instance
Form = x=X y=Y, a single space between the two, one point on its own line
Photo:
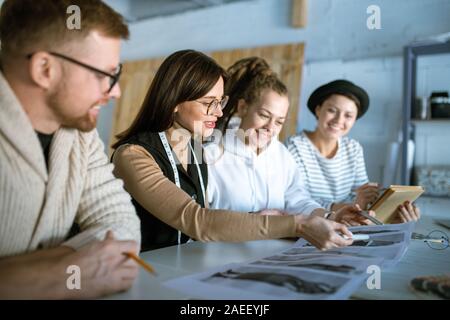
x=173 y=164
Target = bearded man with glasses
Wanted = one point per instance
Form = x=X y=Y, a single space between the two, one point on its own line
x=54 y=173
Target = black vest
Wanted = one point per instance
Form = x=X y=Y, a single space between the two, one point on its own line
x=155 y=233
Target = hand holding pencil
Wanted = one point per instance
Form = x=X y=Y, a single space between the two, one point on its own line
x=352 y=215
x=104 y=269
x=141 y=262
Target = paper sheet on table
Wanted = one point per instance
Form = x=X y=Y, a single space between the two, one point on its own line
x=302 y=271
x=244 y=281
x=388 y=242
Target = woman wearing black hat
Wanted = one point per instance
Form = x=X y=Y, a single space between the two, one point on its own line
x=331 y=163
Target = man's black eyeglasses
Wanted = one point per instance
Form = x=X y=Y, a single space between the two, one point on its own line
x=113 y=78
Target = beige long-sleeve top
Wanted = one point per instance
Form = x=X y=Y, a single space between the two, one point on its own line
x=147 y=184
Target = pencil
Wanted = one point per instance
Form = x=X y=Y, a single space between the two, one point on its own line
x=141 y=262
x=368 y=216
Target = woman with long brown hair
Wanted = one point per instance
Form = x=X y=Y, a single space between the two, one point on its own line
x=160 y=159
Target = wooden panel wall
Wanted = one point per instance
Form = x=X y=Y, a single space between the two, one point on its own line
x=286 y=60
x=134 y=83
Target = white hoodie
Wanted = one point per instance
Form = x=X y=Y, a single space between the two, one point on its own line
x=241 y=180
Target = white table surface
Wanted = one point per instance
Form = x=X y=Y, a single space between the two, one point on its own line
x=175 y=261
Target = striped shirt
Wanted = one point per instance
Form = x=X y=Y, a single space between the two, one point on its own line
x=329 y=180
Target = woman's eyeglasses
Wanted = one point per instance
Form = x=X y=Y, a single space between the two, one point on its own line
x=214 y=105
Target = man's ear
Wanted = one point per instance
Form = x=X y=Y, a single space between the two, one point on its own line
x=42 y=69
x=242 y=108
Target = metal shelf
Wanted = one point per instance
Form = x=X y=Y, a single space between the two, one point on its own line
x=410 y=55
x=435 y=197
x=434 y=121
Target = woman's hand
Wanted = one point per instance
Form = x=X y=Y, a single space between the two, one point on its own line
x=406 y=212
x=349 y=216
x=322 y=233
x=366 y=194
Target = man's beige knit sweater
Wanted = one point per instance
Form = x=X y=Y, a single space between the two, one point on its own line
x=38 y=208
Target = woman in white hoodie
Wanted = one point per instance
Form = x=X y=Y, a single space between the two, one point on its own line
x=249 y=169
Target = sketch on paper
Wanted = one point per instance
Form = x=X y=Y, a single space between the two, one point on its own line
x=302 y=271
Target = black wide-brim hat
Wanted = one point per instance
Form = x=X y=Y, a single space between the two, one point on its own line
x=339 y=87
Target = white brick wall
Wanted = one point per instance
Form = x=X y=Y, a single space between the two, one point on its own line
x=336 y=30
